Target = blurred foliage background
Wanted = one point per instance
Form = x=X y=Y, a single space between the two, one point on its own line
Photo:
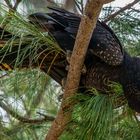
x=29 y=98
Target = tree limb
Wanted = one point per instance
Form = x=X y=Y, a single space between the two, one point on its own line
x=87 y=25
x=24 y=119
x=128 y=6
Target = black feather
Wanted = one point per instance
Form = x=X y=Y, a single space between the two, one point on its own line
x=103 y=44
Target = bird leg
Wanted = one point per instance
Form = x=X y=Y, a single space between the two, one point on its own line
x=68 y=57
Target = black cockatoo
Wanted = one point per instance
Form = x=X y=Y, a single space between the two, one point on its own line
x=105 y=62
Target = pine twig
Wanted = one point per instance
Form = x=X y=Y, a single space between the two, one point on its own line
x=136 y=10
x=128 y=6
x=16 y=4
x=24 y=119
x=3 y=75
x=87 y=25
x=80 y=6
x=8 y=4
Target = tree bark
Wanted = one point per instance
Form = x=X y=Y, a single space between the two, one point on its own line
x=87 y=25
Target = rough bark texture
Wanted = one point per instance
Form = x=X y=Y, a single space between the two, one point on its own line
x=87 y=25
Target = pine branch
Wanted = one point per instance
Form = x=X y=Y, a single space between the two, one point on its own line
x=16 y=4
x=78 y=6
x=89 y=19
x=112 y=16
x=3 y=75
x=8 y=4
x=136 y=10
x=24 y=119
